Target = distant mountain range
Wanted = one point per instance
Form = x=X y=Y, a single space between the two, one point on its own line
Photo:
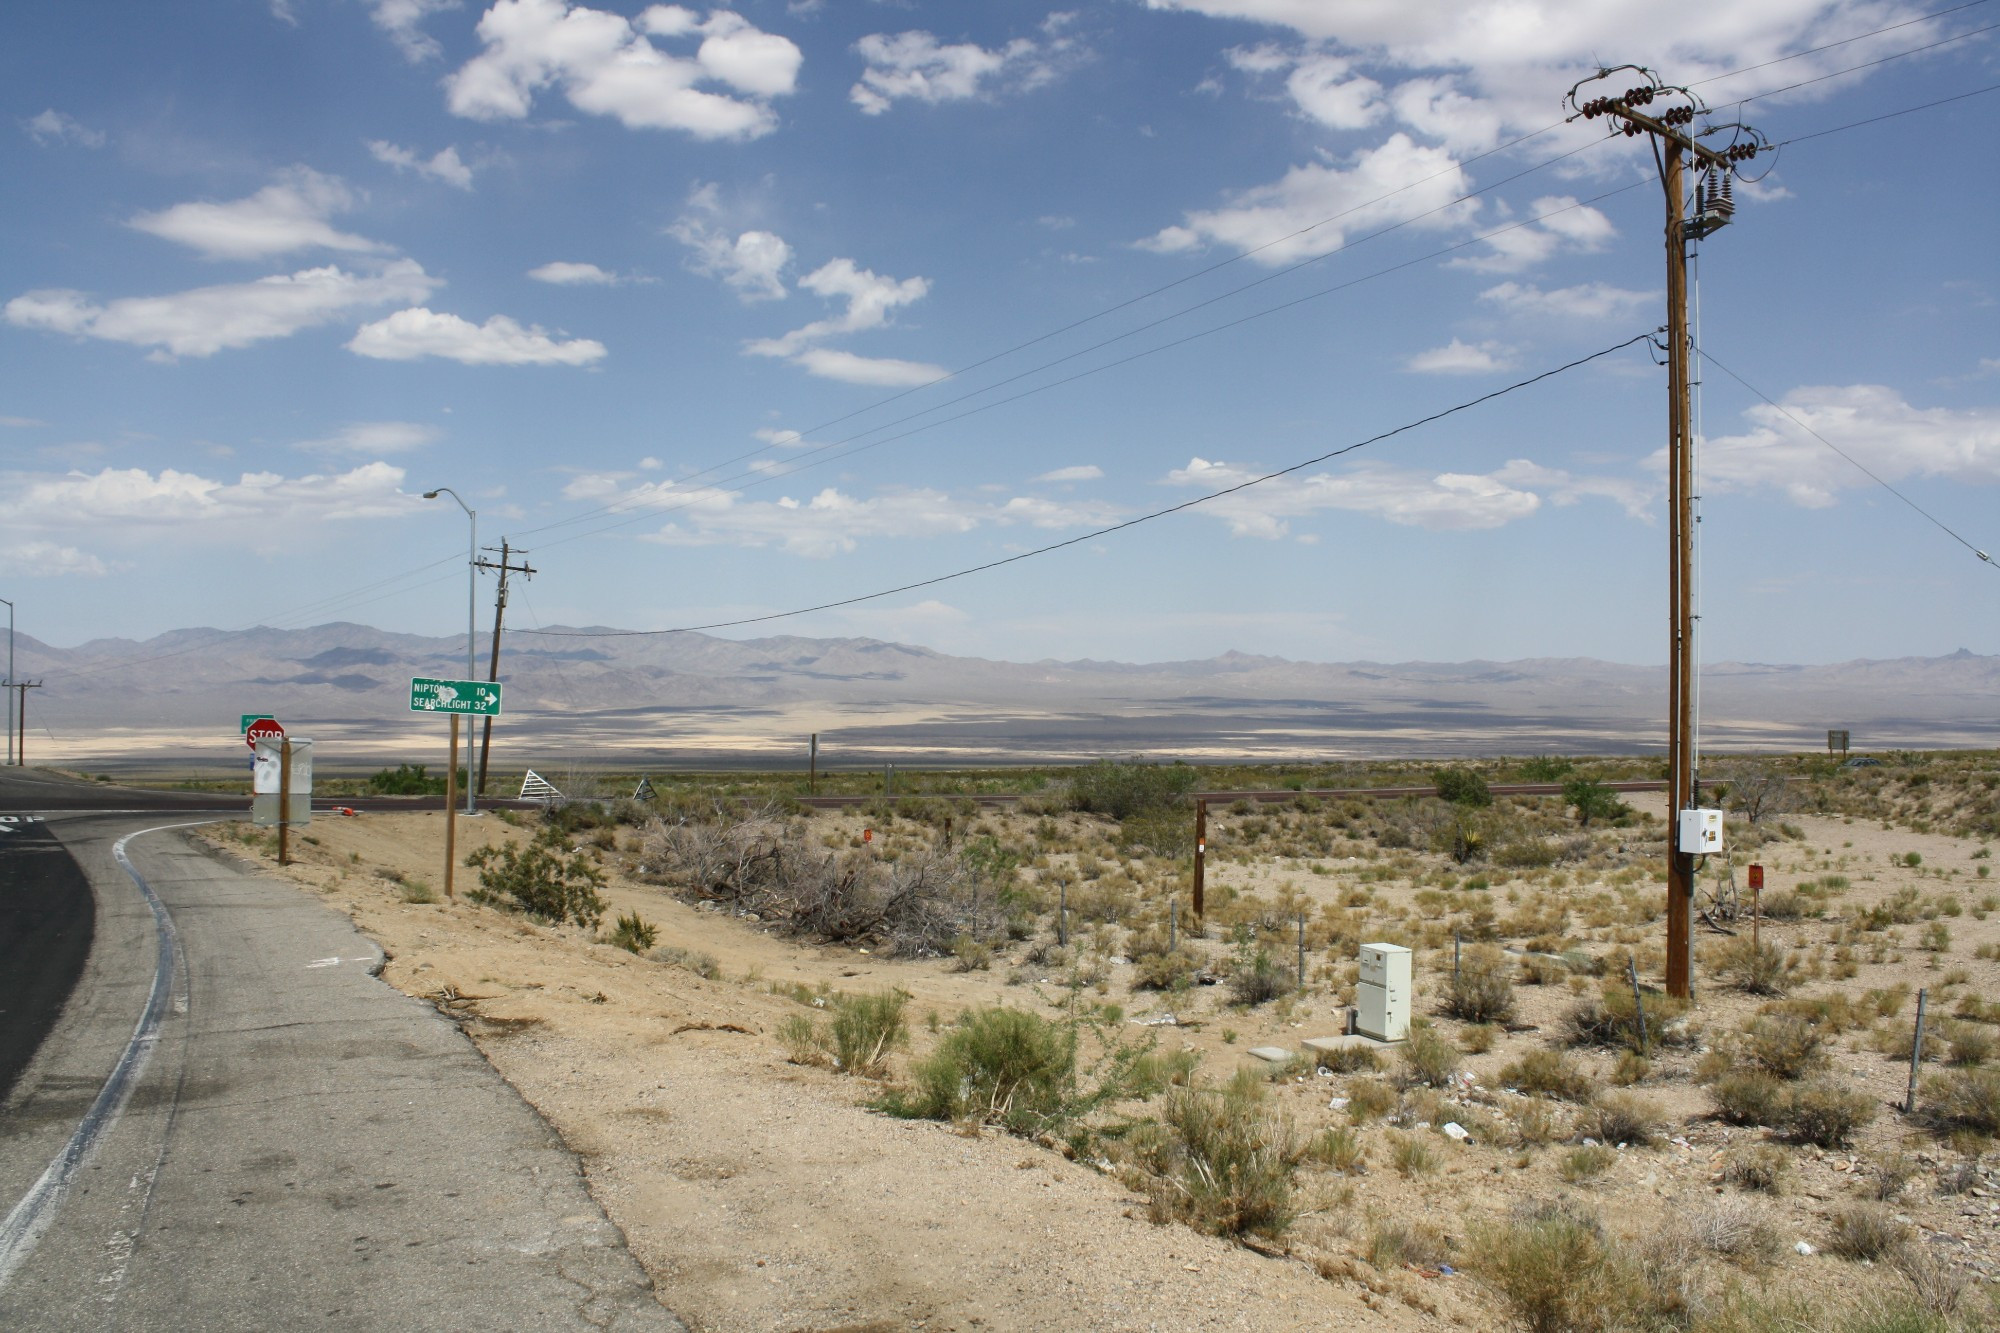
x=691 y=699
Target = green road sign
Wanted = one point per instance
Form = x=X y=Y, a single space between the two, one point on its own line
x=248 y=718
x=478 y=697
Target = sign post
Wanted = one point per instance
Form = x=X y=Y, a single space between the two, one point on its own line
x=459 y=698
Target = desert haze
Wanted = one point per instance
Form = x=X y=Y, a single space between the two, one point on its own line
x=699 y=700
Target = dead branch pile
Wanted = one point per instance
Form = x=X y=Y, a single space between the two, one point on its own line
x=918 y=905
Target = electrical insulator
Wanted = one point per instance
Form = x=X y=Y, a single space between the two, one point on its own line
x=1728 y=195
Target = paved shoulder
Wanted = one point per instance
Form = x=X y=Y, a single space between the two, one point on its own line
x=308 y=1147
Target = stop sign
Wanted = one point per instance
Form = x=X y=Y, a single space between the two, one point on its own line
x=263 y=729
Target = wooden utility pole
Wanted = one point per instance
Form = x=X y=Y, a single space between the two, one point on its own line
x=21 y=688
x=1200 y=857
x=285 y=801
x=451 y=811
x=1675 y=146
x=493 y=668
x=812 y=767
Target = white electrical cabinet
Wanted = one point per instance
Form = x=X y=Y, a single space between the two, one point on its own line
x=1382 y=999
x=1701 y=831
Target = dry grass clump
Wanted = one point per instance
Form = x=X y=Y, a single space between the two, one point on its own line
x=1782 y=1045
x=1866 y=1231
x=1549 y=1074
x=1754 y=968
x=1580 y=1165
x=1622 y=1118
x=1969 y=1043
x=1734 y=1228
x=1369 y=1099
x=1825 y=1114
x=1762 y=1168
x=1482 y=988
x=1749 y=1098
x=1393 y=1242
x=1612 y=1018
x=1222 y=1161
x=1964 y=1099
x=1428 y=1059
x=1559 y=1273
x=1351 y=1059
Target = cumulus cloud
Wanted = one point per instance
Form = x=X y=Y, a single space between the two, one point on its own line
x=1083 y=472
x=1555 y=224
x=871 y=299
x=410 y=335
x=1313 y=207
x=57 y=127
x=561 y=273
x=1461 y=358
x=129 y=498
x=444 y=165
x=915 y=66
x=1872 y=423
x=290 y=214
x=780 y=439
x=608 y=65
x=1448 y=500
x=37 y=559
x=376 y=437
x=206 y=320
x=753 y=262
x=401 y=19
x=1590 y=300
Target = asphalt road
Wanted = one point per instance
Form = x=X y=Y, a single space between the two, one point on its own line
x=233 y=1124
x=47 y=915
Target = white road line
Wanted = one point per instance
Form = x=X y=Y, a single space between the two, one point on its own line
x=30 y=1218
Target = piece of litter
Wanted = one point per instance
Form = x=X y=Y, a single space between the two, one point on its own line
x=1337 y=1104
x=1158 y=1021
x=1446 y=1269
x=1803 y=1248
x=1454 y=1130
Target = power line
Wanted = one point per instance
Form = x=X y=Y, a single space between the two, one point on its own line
x=1845 y=41
x=1887 y=115
x=1115 y=527
x=1870 y=64
x=1934 y=520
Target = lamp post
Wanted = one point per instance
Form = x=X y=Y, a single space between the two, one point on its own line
x=10 y=682
x=471 y=591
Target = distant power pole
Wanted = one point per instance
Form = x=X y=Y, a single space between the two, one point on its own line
x=21 y=688
x=499 y=613
x=1714 y=199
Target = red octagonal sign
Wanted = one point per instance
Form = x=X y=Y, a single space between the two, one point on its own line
x=263 y=729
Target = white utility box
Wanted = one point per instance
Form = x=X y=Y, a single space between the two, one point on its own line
x=1382 y=999
x=1701 y=831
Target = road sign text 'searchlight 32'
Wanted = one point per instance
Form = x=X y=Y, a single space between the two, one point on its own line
x=480 y=698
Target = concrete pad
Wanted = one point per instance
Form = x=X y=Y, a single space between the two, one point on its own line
x=1277 y=1055
x=1328 y=1045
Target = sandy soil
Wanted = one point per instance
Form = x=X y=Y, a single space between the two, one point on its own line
x=763 y=1195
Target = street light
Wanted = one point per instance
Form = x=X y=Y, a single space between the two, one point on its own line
x=10 y=682
x=471 y=589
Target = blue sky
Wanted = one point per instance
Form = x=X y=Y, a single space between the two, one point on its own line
x=664 y=292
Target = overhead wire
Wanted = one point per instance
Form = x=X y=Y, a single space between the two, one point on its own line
x=1119 y=526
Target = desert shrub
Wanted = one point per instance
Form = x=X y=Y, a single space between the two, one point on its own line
x=1865 y=1231
x=1019 y=1070
x=1631 y=1068
x=1536 y=1121
x=1224 y=1161
x=865 y=1028
x=1966 y=1099
x=921 y=903
x=1412 y=1155
x=1548 y=1073
x=1482 y=990
x=701 y=964
x=1170 y=969
x=634 y=933
x=1351 y=1059
x=406 y=780
x=1393 y=1242
x=1428 y=1058
x=1461 y=786
x=804 y=1040
x=1525 y=853
x=1750 y=1097
x=1734 y=1228
x=1825 y=1114
x=1340 y=1149
x=1755 y=968
x=1584 y=1164
x=1611 y=1018
x=1124 y=790
x=1761 y=1167
x=1558 y=1272
x=1256 y=979
x=540 y=879
x=1478 y=1038
x=1786 y=905
x=1971 y=1044
x=1546 y=768
x=1783 y=1045
x=1369 y=1099
x=1621 y=1118
x=415 y=891
x=1593 y=802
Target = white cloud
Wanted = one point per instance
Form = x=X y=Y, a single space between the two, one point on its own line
x=1590 y=300
x=608 y=66
x=1562 y=488
x=48 y=560
x=54 y=127
x=781 y=439
x=291 y=214
x=127 y=498
x=1449 y=500
x=564 y=274
x=1869 y=421
x=376 y=437
x=206 y=320
x=870 y=299
x=21 y=423
x=443 y=165
x=1395 y=182
x=1460 y=358
x=754 y=263
x=1084 y=472
x=1556 y=223
x=1326 y=89
x=400 y=19
x=409 y=335
x=915 y=66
